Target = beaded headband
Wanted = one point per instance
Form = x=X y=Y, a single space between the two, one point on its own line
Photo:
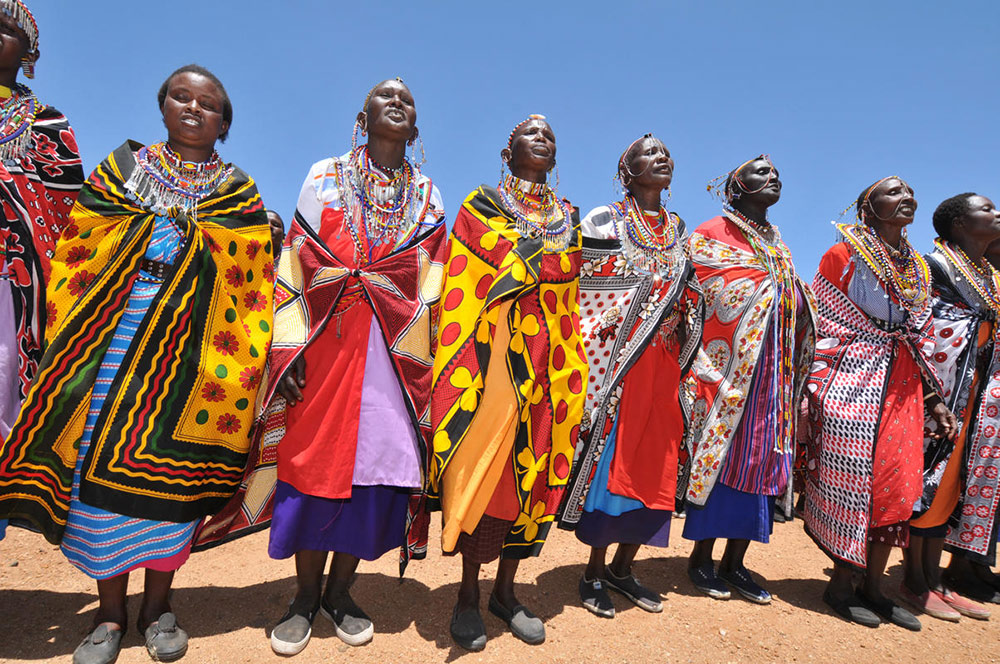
x=26 y=22
x=722 y=187
x=621 y=160
x=533 y=116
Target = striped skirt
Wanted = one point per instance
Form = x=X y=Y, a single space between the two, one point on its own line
x=104 y=544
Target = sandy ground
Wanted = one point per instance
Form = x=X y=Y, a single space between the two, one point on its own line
x=227 y=599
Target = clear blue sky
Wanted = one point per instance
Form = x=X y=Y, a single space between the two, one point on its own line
x=839 y=93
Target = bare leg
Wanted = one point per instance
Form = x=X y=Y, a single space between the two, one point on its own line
x=595 y=566
x=878 y=558
x=621 y=565
x=732 y=558
x=841 y=584
x=155 y=596
x=701 y=554
x=933 y=548
x=914 y=565
x=468 y=592
x=112 y=594
x=309 y=580
x=342 y=570
x=503 y=589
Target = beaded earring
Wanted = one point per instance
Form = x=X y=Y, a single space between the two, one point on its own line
x=354 y=135
x=28 y=66
x=556 y=188
x=413 y=151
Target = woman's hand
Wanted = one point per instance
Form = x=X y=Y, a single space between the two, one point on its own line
x=947 y=424
x=290 y=385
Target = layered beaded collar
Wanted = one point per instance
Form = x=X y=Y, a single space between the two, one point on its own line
x=983 y=278
x=537 y=211
x=162 y=180
x=644 y=248
x=905 y=272
x=17 y=116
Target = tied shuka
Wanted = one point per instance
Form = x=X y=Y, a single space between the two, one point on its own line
x=748 y=287
x=171 y=441
x=967 y=359
x=623 y=310
x=540 y=366
x=317 y=280
x=865 y=399
x=37 y=192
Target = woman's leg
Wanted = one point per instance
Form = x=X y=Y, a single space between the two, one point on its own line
x=878 y=558
x=732 y=558
x=841 y=586
x=342 y=570
x=914 y=565
x=112 y=595
x=155 y=596
x=503 y=589
x=621 y=564
x=309 y=581
x=595 y=566
x=701 y=554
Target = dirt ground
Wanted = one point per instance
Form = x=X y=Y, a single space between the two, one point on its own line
x=229 y=597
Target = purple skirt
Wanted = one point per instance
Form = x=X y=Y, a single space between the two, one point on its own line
x=367 y=525
x=640 y=526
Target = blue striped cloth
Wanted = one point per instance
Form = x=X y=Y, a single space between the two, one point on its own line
x=103 y=544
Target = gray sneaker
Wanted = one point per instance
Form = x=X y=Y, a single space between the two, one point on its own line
x=101 y=646
x=523 y=624
x=292 y=633
x=353 y=626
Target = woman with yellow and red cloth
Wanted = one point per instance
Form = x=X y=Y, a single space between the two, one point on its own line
x=641 y=317
x=866 y=395
x=509 y=378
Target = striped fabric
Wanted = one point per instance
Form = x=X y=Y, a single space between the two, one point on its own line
x=104 y=544
x=753 y=465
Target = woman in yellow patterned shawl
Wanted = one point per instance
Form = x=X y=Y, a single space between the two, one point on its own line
x=509 y=378
x=137 y=423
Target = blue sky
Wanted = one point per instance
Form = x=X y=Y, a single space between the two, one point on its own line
x=839 y=93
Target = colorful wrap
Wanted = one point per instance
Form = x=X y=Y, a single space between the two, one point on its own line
x=493 y=269
x=967 y=358
x=742 y=299
x=853 y=405
x=172 y=439
x=37 y=192
x=402 y=290
x=622 y=311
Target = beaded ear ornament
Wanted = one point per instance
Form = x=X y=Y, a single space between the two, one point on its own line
x=728 y=187
x=26 y=22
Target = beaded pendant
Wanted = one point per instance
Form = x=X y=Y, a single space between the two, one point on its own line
x=17 y=116
x=536 y=211
x=162 y=180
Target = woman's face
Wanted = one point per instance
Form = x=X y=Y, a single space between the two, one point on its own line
x=650 y=163
x=760 y=182
x=192 y=112
x=391 y=113
x=532 y=148
x=13 y=43
x=892 y=202
x=980 y=223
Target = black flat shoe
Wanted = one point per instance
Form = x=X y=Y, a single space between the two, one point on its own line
x=851 y=610
x=522 y=623
x=891 y=612
x=467 y=629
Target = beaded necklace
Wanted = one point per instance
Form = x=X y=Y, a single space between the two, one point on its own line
x=536 y=208
x=777 y=261
x=162 y=180
x=643 y=246
x=17 y=117
x=379 y=201
x=904 y=271
x=984 y=278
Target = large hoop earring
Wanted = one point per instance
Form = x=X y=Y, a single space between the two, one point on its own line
x=354 y=135
x=413 y=151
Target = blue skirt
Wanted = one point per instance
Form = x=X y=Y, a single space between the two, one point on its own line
x=730 y=514
x=367 y=525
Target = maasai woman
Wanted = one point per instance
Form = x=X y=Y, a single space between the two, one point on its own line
x=866 y=394
x=40 y=176
x=641 y=324
x=509 y=378
x=137 y=423
x=965 y=300
x=352 y=353
x=756 y=349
